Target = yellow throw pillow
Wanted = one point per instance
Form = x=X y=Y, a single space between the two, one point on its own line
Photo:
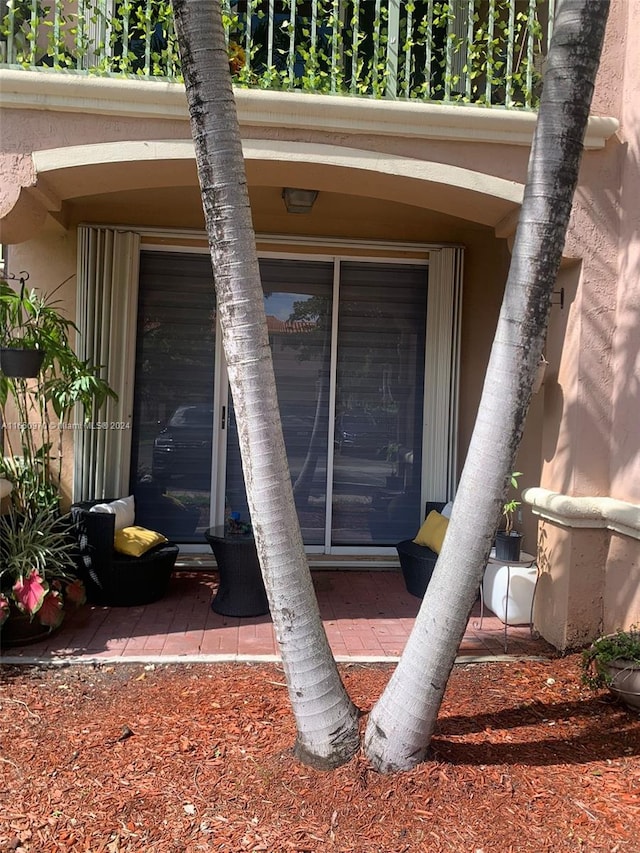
x=136 y=541
x=432 y=532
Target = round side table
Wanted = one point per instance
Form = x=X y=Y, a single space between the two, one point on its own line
x=241 y=589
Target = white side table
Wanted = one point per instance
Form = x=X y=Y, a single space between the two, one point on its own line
x=509 y=590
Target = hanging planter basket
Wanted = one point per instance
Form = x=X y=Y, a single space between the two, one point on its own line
x=21 y=363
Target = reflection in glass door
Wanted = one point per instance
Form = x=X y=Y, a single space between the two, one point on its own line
x=379 y=401
x=298 y=300
x=173 y=397
x=377 y=379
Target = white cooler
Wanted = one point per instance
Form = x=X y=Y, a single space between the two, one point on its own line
x=508 y=590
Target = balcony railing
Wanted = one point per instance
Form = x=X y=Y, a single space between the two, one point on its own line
x=466 y=51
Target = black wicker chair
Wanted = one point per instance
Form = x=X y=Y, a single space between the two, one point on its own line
x=115 y=579
x=417 y=561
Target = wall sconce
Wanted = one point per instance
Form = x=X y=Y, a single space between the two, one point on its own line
x=299 y=201
x=540 y=372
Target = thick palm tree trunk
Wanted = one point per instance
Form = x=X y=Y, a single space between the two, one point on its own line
x=402 y=722
x=325 y=717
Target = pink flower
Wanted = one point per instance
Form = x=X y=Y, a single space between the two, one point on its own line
x=29 y=592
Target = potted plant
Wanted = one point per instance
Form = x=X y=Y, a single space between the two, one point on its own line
x=37 y=576
x=22 y=336
x=613 y=661
x=36 y=552
x=36 y=411
x=508 y=540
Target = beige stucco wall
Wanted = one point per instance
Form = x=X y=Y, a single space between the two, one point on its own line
x=591 y=436
x=589 y=583
x=625 y=455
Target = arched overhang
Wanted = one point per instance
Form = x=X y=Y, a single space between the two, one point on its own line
x=63 y=174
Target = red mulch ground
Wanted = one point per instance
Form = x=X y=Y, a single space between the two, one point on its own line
x=198 y=758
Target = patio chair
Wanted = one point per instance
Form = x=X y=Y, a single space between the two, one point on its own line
x=113 y=578
x=418 y=561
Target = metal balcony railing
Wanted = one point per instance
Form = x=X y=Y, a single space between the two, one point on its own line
x=465 y=51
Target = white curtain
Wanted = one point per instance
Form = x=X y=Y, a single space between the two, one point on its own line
x=441 y=373
x=106 y=315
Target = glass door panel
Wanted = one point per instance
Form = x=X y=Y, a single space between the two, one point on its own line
x=379 y=398
x=298 y=303
x=376 y=378
x=173 y=401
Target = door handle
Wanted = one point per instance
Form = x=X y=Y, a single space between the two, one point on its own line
x=223 y=424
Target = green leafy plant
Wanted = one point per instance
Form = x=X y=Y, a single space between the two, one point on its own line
x=391 y=451
x=509 y=507
x=492 y=55
x=37 y=567
x=36 y=412
x=621 y=646
x=27 y=321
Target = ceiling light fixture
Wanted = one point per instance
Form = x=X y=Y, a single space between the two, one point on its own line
x=297 y=200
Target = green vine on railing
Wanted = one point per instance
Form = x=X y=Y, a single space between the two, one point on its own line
x=486 y=52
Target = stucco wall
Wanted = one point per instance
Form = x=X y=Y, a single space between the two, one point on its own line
x=621 y=598
x=591 y=442
x=625 y=451
x=568 y=602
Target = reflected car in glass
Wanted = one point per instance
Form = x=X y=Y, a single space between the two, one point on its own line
x=359 y=434
x=182 y=449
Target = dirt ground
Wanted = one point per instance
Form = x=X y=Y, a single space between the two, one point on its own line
x=198 y=758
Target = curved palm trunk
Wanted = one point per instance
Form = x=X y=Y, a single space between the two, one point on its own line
x=325 y=717
x=402 y=722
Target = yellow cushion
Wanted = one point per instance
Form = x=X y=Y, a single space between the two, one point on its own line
x=432 y=532
x=136 y=541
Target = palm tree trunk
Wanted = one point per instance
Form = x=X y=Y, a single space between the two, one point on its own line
x=402 y=722
x=325 y=717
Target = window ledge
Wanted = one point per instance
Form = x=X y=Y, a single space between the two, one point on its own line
x=609 y=513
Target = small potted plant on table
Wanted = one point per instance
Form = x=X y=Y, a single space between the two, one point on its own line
x=508 y=540
x=613 y=661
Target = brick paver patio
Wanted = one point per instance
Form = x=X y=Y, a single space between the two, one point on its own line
x=367 y=615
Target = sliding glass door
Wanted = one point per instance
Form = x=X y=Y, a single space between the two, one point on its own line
x=379 y=403
x=173 y=414
x=298 y=298
x=348 y=342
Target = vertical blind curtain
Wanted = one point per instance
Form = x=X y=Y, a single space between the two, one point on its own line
x=442 y=373
x=106 y=319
